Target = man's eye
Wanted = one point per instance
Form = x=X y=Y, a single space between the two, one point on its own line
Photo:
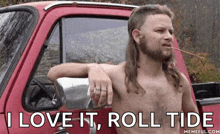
x=160 y=30
x=171 y=32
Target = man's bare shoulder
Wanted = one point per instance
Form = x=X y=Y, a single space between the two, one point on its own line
x=184 y=79
x=184 y=83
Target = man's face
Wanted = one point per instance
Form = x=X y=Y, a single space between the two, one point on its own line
x=157 y=35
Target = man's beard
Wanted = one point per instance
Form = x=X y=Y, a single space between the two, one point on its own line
x=156 y=55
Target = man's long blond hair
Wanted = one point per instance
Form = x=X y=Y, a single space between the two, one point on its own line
x=136 y=20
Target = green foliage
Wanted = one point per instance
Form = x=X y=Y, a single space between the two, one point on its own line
x=4 y=3
x=201 y=70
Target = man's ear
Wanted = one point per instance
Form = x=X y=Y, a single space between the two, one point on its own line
x=136 y=35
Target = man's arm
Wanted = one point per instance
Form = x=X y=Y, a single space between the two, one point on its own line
x=98 y=78
x=187 y=101
x=68 y=70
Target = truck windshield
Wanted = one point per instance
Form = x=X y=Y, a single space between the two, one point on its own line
x=14 y=27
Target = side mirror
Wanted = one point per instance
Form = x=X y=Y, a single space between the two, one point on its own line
x=74 y=93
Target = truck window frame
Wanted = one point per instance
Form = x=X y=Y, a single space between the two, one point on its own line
x=58 y=23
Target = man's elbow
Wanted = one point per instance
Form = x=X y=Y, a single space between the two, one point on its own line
x=51 y=75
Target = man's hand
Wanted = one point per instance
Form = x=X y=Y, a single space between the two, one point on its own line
x=100 y=85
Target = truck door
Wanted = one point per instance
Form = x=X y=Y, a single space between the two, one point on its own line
x=16 y=26
x=66 y=34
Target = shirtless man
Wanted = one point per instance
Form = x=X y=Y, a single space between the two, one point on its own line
x=147 y=81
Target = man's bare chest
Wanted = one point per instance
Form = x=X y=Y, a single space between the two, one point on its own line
x=158 y=99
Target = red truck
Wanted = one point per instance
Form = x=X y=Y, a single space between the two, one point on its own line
x=36 y=36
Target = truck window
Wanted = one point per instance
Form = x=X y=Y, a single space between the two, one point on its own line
x=14 y=28
x=100 y=40
x=51 y=55
x=76 y=39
